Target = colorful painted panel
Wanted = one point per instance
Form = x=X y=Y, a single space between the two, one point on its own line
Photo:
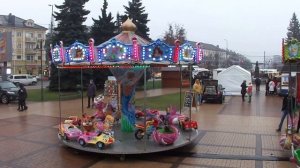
x=187 y=53
x=114 y=52
x=292 y=50
x=157 y=51
x=77 y=53
x=56 y=54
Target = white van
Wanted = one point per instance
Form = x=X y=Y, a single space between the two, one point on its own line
x=25 y=79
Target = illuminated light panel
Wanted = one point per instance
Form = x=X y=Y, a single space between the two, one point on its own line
x=187 y=53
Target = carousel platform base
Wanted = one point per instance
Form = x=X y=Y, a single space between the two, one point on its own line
x=126 y=144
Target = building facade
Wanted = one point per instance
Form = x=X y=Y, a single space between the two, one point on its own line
x=213 y=56
x=28 y=39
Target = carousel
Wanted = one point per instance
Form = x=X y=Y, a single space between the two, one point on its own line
x=117 y=127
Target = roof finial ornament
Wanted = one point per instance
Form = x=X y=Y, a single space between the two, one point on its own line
x=128 y=25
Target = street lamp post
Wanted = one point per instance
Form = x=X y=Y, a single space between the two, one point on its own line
x=42 y=76
x=51 y=24
x=226 y=52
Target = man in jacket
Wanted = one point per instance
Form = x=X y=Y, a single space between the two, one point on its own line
x=284 y=112
x=91 y=93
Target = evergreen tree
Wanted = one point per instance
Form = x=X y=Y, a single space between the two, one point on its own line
x=119 y=22
x=294 y=29
x=104 y=28
x=136 y=12
x=70 y=22
x=69 y=29
x=173 y=33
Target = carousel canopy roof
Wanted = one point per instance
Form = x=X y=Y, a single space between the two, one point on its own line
x=126 y=48
x=127 y=34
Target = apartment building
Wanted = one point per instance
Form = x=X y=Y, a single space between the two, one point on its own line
x=28 y=39
x=213 y=56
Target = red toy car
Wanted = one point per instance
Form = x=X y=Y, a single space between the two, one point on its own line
x=151 y=112
x=188 y=124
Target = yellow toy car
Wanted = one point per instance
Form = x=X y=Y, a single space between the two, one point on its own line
x=100 y=139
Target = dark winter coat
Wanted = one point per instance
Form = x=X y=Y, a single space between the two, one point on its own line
x=244 y=88
x=22 y=93
x=91 y=92
x=284 y=103
x=257 y=81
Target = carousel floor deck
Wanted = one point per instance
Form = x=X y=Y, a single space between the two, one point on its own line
x=126 y=143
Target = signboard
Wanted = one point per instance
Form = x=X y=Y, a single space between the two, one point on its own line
x=5 y=47
x=291 y=50
x=188 y=99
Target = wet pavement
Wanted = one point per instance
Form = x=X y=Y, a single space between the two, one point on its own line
x=234 y=134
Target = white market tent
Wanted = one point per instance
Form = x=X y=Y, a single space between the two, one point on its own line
x=216 y=72
x=232 y=78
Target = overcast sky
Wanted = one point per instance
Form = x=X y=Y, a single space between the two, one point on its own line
x=249 y=26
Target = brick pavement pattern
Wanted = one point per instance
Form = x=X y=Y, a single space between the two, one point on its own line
x=232 y=135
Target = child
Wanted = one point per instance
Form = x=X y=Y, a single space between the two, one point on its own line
x=249 y=91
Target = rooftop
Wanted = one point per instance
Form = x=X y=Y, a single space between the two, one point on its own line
x=16 y=22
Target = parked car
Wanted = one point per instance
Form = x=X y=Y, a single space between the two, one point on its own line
x=38 y=77
x=213 y=91
x=25 y=79
x=8 y=92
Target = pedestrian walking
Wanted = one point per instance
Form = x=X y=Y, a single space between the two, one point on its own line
x=284 y=112
x=22 y=95
x=243 y=90
x=91 y=93
x=249 y=92
x=198 y=89
x=257 y=84
x=271 y=87
x=267 y=87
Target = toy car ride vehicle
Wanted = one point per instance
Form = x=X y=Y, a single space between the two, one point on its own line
x=188 y=124
x=8 y=92
x=100 y=139
x=69 y=131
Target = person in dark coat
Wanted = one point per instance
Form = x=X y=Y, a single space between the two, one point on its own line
x=243 y=90
x=91 y=93
x=267 y=86
x=284 y=111
x=22 y=95
x=257 y=84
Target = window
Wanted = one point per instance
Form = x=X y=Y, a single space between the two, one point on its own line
x=30 y=46
x=29 y=57
x=19 y=34
x=19 y=45
x=29 y=35
x=39 y=57
x=20 y=77
x=19 y=56
x=39 y=36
